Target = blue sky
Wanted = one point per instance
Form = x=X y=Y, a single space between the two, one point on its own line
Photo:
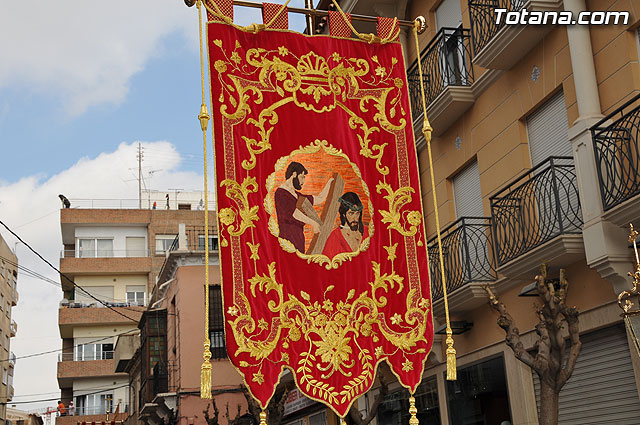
x=81 y=83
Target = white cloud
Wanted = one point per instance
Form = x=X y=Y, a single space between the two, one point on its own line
x=86 y=52
x=31 y=207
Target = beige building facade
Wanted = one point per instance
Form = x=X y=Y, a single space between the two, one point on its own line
x=535 y=158
x=8 y=327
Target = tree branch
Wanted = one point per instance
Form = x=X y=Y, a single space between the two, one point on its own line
x=512 y=337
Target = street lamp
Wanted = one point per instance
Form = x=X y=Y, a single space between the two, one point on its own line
x=629 y=301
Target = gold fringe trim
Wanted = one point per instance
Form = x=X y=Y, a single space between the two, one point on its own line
x=413 y=420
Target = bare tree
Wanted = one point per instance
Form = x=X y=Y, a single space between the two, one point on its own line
x=275 y=408
x=549 y=361
x=354 y=413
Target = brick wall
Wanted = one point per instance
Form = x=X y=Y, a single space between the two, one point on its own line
x=87 y=369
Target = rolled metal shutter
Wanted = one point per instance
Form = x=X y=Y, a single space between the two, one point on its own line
x=548 y=130
x=449 y=14
x=467 y=193
x=602 y=389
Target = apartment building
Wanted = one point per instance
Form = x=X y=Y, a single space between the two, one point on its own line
x=8 y=327
x=109 y=264
x=536 y=158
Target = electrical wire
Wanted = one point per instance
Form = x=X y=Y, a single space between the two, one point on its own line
x=65 y=276
x=58 y=398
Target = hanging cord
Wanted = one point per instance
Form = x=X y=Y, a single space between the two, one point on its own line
x=253 y=28
x=205 y=370
x=370 y=38
x=426 y=131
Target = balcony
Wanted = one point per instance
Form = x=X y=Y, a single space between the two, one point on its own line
x=13 y=328
x=617 y=157
x=72 y=264
x=500 y=46
x=10 y=392
x=70 y=370
x=468 y=263
x=447 y=77
x=93 y=415
x=539 y=215
x=12 y=359
x=74 y=314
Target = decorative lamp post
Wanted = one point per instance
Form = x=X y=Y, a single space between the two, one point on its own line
x=629 y=301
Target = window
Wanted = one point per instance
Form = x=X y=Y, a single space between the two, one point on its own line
x=1 y=301
x=394 y=409
x=8 y=311
x=92 y=248
x=136 y=246
x=216 y=323
x=157 y=348
x=135 y=295
x=86 y=352
x=213 y=243
x=6 y=342
x=94 y=404
x=164 y=242
x=479 y=395
x=5 y=376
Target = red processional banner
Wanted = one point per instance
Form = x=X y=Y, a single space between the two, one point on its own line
x=322 y=241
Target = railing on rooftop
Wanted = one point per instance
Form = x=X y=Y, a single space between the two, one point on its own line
x=538 y=206
x=134 y=204
x=95 y=304
x=446 y=61
x=467 y=254
x=483 y=19
x=617 y=154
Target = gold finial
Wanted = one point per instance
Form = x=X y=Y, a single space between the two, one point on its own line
x=263 y=417
x=421 y=24
x=413 y=420
x=203 y=117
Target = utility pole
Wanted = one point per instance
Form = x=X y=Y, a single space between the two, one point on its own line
x=140 y=155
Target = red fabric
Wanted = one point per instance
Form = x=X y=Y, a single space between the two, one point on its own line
x=386 y=27
x=338 y=27
x=269 y=10
x=225 y=6
x=340 y=109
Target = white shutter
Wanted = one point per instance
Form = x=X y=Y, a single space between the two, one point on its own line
x=448 y=14
x=602 y=389
x=467 y=193
x=548 y=130
x=135 y=246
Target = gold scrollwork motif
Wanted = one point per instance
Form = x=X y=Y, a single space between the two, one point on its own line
x=239 y=193
x=397 y=199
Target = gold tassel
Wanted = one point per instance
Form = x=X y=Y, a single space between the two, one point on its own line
x=452 y=374
x=413 y=420
x=263 y=417
x=205 y=373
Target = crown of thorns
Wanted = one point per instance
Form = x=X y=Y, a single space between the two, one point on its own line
x=350 y=205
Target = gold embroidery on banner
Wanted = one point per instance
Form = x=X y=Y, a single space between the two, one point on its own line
x=239 y=193
x=397 y=199
x=329 y=328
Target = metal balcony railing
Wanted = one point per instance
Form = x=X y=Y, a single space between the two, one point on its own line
x=95 y=304
x=12 y=359
x=446 y=61
x=617 y=154
x=77 y=357
x=538 y=206
x=100 y=409
x=134 y=204
x=467 y=254
x=110 y=253
x=13 y=328
x=483 y=19
x=196 y=237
